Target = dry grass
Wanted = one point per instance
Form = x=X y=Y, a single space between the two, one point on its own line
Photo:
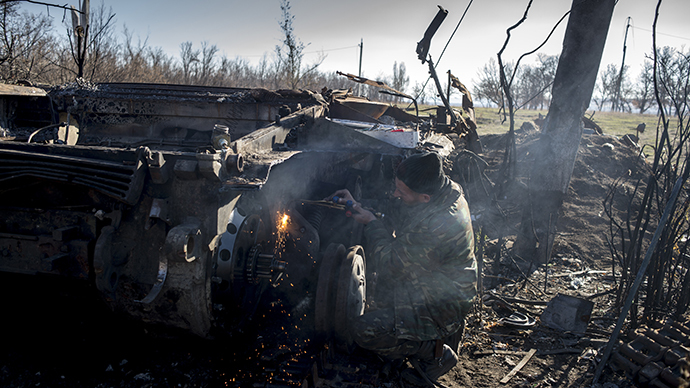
x=612 y=123
x=617 y=124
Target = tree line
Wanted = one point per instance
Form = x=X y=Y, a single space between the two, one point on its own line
x=34 y=51
x=614 y=90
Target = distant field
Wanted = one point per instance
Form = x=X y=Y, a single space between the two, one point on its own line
x=612 y=123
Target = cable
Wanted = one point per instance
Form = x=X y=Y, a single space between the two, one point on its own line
x=660 y=33
x=453 y=34
x=335 y=49
x=309 y=52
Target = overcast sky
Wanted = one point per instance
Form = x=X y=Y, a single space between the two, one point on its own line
x=389 y=29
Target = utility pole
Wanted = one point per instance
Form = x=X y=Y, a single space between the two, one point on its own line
x=361 y=48
x=617 y=100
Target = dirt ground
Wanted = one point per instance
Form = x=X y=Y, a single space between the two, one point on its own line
x=79 y=344
x=580 y=267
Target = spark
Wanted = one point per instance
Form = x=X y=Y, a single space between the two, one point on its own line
x=281 y=224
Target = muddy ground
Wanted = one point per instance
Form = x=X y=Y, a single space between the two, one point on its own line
x=58 y=336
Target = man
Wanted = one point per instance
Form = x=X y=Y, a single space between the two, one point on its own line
x=426 y=271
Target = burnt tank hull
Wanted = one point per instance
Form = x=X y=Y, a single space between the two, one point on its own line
x=169 y=199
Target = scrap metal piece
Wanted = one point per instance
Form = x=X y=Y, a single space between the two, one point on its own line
x=65 y=234
x=470 y=124
x=183 y=242
x=568 y=313
x=160 y=280
x=519 y=366
x=210 y=165
x=158 y=211
x=423 y=45
x=234 y=163
x=519 y=320
x=158 y=169
x=378 y=84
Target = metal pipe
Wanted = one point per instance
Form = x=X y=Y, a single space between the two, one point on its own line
x=47 y=127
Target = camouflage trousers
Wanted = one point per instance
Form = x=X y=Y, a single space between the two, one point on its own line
x=375 y=331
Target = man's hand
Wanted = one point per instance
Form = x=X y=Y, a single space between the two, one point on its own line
x=361 y=215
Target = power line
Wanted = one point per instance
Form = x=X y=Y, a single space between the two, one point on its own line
x=309 y=52
x=335 y=49
x=661 y=33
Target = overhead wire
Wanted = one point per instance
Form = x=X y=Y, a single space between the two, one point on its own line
x=660 y=33
x=308 y=52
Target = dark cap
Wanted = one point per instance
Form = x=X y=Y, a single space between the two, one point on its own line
x=423 y=173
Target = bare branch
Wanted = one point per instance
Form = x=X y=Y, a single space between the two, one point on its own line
x=69 y=8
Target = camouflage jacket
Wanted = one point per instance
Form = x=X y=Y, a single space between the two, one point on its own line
x=428 y=270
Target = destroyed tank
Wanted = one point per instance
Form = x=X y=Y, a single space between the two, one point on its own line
x=193 y=207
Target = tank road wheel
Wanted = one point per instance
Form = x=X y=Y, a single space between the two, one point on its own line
x=325 y=291
x=340 y=294
x=350 y=296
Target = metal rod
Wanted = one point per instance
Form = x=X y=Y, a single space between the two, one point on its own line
x=361 y=49
x=432 y=71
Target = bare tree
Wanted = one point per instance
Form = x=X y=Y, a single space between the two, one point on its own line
x=207 y=63
x=25 y=45
x=606 y=87
x=531 y=83
x=400 y=79
x=614 y=88
x=419 y=91
x=658 y=196
x=102 y=44
x=673 y=77
x=162 y=67
x=546 y=70
x=488 y=88
x=262 y=71
x=290 y=53
x=134 y=58
x=189 y=59
x=643 y=91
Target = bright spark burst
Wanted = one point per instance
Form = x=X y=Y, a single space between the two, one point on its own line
x=284 y=221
